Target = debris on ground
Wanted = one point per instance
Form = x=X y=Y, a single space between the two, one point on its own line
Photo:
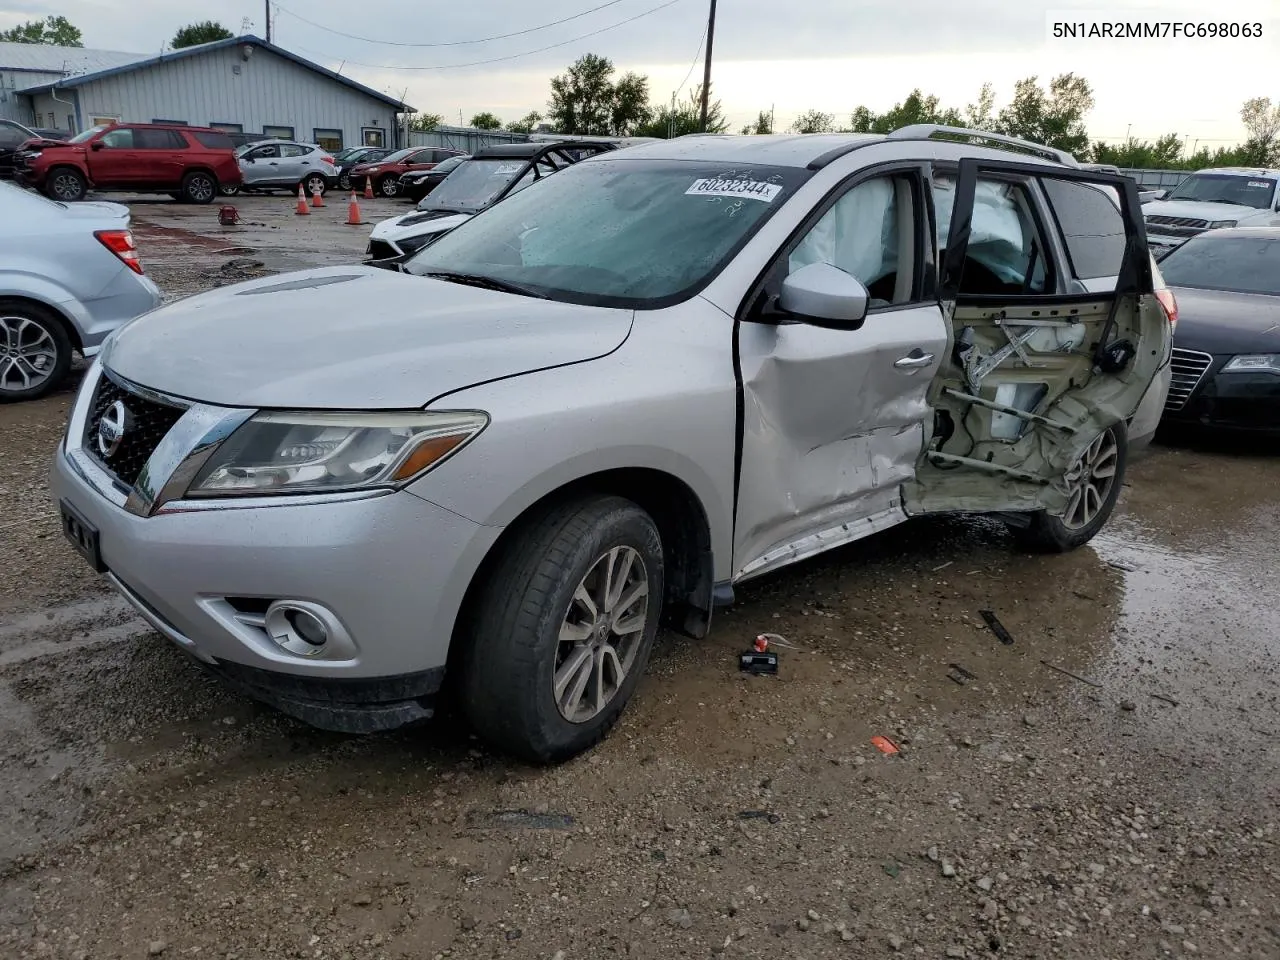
x=1003 y=635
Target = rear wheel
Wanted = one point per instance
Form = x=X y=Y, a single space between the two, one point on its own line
x=230 y=190
x=1094 y=482
x=199 y=187
x=389 y=186
x=313 y=184
x=344 y=181
x=66 y=184
x=561 y=631
x=35 y=351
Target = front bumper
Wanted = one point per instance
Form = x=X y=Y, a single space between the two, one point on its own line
x=1231 y=401
x=391 y=568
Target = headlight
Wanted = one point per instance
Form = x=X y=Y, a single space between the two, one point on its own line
x=1254 y=363
x=373 y=170
x=1219 y=224
x=305 y=452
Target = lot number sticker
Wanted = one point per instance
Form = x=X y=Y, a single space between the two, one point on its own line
x=740 y=189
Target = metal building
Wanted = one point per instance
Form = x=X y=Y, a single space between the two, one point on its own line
x=24 y=65
x=243 y=85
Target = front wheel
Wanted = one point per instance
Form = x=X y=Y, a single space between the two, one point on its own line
x=230 y=190
x=1094 y=483
x=560 y=633
x=66 y=184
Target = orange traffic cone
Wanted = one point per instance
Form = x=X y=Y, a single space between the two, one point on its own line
x=368 y=188
x=302 y=210
x=353 y=211
x=317 y=198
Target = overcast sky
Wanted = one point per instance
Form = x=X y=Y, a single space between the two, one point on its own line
x=829 y=55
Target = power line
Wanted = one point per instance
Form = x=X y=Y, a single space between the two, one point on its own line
x=696 y=54
x=451 y=43
x=514 y=56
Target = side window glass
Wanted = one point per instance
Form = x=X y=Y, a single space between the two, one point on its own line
x=1006 y=253
x=1091 y=225
x=121 y=139
x=869 y=233
x=265 y=153
x=10 y=137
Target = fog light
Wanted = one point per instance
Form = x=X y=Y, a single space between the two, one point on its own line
x=309 y=627
x=304 y=629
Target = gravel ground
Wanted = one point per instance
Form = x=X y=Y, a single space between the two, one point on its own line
x=1105 y=787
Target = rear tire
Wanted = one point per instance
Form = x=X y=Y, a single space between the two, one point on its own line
x=65 y=184
x=1099 y=475
x=230 y=191
x=35 y=351
x=389 y=186
x=344 y=182
x=199 y=187
x=546 y=626
x=315 y=183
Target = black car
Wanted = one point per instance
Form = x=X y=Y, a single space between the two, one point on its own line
x=1226 y=347
x=347 y=159
x=416 y=184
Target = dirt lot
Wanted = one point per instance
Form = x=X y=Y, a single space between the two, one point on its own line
x=1108 y=786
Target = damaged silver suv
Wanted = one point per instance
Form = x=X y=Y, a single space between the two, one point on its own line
x=603 y=404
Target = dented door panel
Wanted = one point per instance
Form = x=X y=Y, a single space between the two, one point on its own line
x=831 y=430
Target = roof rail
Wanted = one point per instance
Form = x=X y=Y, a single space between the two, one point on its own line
x=928 y=131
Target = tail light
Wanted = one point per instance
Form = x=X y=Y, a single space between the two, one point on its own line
x=325 y=158
x=120 y=242
x=1170 y=304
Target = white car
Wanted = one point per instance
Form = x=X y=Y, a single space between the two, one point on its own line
x=284 y=165
x=1213 y=199
x=476 y=184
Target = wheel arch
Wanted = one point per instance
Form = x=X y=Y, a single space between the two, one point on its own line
x=54 y=307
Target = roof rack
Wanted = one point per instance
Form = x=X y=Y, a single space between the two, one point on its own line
x=928 y=131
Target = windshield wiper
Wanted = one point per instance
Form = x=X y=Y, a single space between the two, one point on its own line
x=488 y=283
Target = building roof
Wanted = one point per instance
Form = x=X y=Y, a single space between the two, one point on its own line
x=203 y=48
x=48 y=58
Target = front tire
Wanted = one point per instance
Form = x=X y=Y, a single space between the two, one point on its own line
x=199 y=187
x=1095 y=481
x=35 y=352
x=65 y=184
x=559 y=635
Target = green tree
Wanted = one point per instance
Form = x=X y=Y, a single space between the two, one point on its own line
x=763 y=124
x=685 y=118
x=1262 y=121
x=486 y=121
x=1054 y=117
x=194 y=34
x=916 y=108
x=1164 y=154
x=814 y=121
x=585 y=100
x=58 y=31
x=526 y=123
x=425 y=122
x=982 y=114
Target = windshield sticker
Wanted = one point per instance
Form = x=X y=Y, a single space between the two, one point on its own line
x=1264 y=184
x=507 y=169
x=732 y=187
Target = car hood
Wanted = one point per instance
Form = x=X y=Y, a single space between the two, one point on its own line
x=363 y=167
x=1196 y=210
x=418 y=223
x=353 y=338
x=41 y=143
x=1214 y=321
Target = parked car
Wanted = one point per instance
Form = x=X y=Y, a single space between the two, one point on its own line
x=386 y=173
x=68 y=277
x=284 y=165
x=491 y=174
x=188 y=163
x=416 y=184
x=1226 y=351
x=1214 y=199
x=349 y=158
x=14 y=138
x=604 y=404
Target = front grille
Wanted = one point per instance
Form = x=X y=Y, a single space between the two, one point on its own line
x=381 y=250
x=1178 y=221
x=1189 y=368
x=146 y=423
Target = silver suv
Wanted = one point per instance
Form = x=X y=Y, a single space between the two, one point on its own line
x=601 y=406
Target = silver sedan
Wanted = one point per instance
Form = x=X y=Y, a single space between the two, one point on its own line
x=69 y=276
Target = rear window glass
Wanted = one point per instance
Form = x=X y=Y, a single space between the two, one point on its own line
x=1238 y=264
x=213 y=139
x=1091 y=227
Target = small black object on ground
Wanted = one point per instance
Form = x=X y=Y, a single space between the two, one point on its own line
x=1003 y=635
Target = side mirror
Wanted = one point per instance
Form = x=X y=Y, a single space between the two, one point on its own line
x=1162 y=195
x=825 y=296
x=96 y=145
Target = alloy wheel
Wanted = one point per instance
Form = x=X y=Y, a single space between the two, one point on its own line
x=1090 y=480
x=66 y=186
x=200 y=189
x=28 y=354
x=601 y=634
x=389 y=187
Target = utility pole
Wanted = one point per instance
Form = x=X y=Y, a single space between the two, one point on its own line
x=267 y=5
x=706 y=70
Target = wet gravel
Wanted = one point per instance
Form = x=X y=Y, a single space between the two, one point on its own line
x=1105 y=787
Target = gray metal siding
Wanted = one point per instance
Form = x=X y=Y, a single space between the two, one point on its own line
x=15 y=106
x=63 y=110
x=266 y=90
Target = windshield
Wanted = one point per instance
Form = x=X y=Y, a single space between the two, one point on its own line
x=616 y=232
x=392 y=158
x=87 y=134
x=1237 y=264
x=474 y=184
x=1238 y=189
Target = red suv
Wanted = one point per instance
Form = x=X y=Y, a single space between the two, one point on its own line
x=386 y=173
x=188 y=163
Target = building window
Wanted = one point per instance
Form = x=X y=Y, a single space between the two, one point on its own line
x=278 y=133
x=171 y=123
x=228 y=127
x=103 y=121
x=373 y=136
x=330 y=140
